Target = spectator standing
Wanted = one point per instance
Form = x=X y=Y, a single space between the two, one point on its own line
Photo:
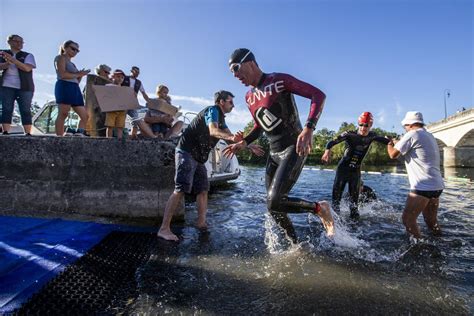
x=67 y=91
x=16 y=83
x=103 y=71
x=137 y=85
x=419 y=149
x=192 y=152
x=162 y=123
x=116 y=119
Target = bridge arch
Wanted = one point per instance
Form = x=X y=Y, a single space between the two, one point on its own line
x=467 y=140
x=455 y=137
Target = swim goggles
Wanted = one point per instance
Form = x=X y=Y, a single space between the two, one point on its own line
x=235 y=67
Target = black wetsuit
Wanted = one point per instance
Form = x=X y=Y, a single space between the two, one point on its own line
x=348 y=169
x=273 y=108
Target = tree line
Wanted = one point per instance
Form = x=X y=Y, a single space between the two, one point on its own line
x=377 y=154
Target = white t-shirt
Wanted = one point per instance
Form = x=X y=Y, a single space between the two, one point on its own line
x=11 y=77
x=420 y=151
x=132 y=84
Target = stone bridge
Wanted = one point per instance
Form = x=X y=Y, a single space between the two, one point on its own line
x=455 y=136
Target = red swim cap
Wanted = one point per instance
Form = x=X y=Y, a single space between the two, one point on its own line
x=366 y=118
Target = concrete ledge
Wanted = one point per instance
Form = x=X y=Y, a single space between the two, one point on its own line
x=69 y=176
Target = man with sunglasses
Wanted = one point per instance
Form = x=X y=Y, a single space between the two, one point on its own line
x=192 y=151
x=348 y=170
x=271 y=103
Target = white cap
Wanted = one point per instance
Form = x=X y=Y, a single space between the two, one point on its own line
x=413 y=117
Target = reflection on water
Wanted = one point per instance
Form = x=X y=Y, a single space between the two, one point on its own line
x=245 y=264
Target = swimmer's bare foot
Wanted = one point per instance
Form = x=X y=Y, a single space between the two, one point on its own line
x=167 y=235
x=324 y=213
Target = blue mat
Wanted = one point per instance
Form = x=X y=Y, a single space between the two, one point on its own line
x=33 y=251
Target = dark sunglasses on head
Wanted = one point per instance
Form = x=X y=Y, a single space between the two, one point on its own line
x=234 y=67
x=74 y=49
x=364 y=125
x=107 y=72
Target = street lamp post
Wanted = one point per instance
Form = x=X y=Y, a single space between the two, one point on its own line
x=447 y=93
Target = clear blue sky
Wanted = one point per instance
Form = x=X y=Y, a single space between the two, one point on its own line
x=382 y=56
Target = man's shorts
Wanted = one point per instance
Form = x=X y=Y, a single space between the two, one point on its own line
x=428 y=194
x=115 y=119
x=134 y=116
x=190 y=176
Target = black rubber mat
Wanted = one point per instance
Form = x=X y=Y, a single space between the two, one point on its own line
x=100 y=282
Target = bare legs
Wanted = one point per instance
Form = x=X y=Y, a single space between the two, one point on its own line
x=201 y=200
x=64 y=112
x=165 y=230
x=326 y=217
x=415 y=205
x=175 y=198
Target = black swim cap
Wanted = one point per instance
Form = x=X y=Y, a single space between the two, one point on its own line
x=239 y=54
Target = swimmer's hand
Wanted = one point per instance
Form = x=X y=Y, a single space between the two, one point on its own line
x=326 y=156
x=304 y=144
x=257 y=150
x=239 y=136
x=233 y=149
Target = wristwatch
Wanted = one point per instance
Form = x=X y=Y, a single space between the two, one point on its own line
x=311 y=125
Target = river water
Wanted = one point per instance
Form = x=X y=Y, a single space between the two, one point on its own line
x=244 y=264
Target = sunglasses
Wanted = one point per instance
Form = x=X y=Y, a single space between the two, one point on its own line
x=235 y=67
x=74 y=49
x=364 y=125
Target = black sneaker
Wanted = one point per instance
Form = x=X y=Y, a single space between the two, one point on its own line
x=70 y=132
x=5 y=133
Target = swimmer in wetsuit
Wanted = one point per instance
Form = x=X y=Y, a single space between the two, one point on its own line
x=272 y=105
x=348 y=170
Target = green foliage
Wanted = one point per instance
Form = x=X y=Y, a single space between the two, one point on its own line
x=377 y=154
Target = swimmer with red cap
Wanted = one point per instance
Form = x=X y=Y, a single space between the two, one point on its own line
x=348 y=170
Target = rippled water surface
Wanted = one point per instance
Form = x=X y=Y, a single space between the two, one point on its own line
x=245 y=265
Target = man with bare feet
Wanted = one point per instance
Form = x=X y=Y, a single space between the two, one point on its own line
x=271 y=103
x=192 y=152
x=419 y=150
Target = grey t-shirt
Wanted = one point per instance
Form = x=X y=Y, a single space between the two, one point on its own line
x=70 y=67
x=420 y=151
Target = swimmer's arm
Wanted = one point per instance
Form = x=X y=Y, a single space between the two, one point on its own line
x=253 y=135
x=383 y=140
x=308 y=91
x=337 y=140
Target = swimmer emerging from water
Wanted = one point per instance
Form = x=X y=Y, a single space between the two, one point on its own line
x=272 y=105
x=348 y=170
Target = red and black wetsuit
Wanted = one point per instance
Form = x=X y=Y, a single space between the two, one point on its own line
x=348 y=169
x=274 y=111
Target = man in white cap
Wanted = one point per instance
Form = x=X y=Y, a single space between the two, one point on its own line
x=420 y=152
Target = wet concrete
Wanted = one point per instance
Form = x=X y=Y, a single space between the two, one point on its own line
x=70 y=176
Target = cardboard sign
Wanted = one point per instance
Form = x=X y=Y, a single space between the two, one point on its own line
x=116 y=98
x=163 y=106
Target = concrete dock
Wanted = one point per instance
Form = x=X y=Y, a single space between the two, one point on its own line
x=74 y=177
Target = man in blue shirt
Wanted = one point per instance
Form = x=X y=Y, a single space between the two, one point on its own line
x=192 y=152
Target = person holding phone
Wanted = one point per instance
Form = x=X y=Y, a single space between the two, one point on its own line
x=67 y=91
